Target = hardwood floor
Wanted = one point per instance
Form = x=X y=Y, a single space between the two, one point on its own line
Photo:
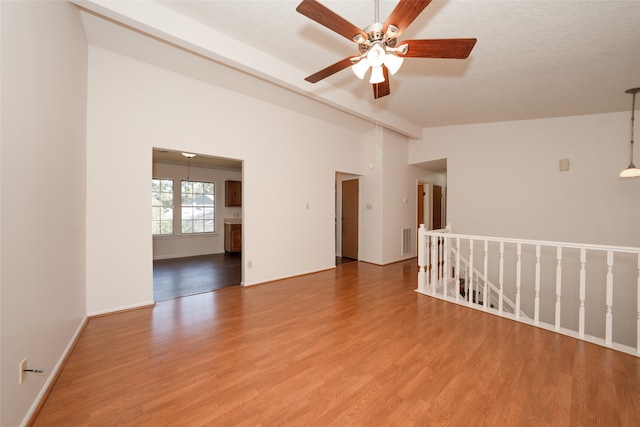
x=344 y=260
x=354 y=346
x=178 y=277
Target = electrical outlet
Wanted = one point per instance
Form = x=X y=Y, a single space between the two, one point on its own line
x=23 y=374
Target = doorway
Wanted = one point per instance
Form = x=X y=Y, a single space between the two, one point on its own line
x=436 y=207
x=349 y=218
x=190 y=213
x=431 y=206
x=346 y=217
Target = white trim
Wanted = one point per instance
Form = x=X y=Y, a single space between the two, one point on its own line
x=333 y=267
x=123 y=308
x=54 y=373
x=603 y=248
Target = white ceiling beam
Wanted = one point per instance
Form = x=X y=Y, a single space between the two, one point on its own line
x=154 y=19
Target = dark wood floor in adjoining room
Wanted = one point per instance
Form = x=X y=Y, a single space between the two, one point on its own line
x=352 y=346
x=178 y=277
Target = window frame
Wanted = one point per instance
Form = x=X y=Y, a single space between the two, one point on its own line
x=153 y=206
x=201 y=206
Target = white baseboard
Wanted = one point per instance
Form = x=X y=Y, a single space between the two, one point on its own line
x=123 y=308
x=54 y=373
x=246 y=285
x=187 y=255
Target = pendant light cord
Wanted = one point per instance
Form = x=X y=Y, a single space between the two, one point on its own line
x=633 y=118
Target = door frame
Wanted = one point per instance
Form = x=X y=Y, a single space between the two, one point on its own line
x=340 y=177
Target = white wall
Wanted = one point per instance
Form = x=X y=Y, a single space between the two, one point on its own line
x=179 y=245
x=504 y=178
x=389 y=203
x=290 y=160
x=370 y=239
x=400 y=197
x=44 y=76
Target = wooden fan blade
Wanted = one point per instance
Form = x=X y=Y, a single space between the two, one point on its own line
x=405 y=13
x=440 y=48
x=382 y=89
x=331 y=69
x=325 y=16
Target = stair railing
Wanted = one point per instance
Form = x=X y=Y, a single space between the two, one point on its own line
x=471 y=279
x=564 y=287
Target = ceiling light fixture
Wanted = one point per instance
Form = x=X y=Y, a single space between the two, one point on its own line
x=377 y=43
x=631 y=171
x=189 y=156
x=378 y=50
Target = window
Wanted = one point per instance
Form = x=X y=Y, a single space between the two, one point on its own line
x=198 y=207
x=162 y=206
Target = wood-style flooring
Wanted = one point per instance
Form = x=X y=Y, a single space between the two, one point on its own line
x=178 y=277
x=352 y=346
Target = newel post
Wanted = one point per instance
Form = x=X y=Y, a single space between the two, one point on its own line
x=422 y=275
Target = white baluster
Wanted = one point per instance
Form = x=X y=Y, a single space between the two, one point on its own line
x=428 y=260
x=609 y=315
x=470 y=274
x=583 y=287
x=457 y=269
x=501 y=278
x=434 y=264
x=558 y=285
x=476 y=289
x=422 y=276
x=536 y=312
x=446 y=266
x=485 y=293
x=638 y=310
x=518 y=274
x=440 y=258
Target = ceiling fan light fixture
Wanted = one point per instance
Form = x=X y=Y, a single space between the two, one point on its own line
x=393 y=62
x=378 y=45
x=359 y=38
x=377 y=75
x=376 y=55
x=392 y=31
x=360 y=68
x=402 y=49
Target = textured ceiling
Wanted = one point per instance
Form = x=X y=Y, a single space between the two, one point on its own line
x=533 y=59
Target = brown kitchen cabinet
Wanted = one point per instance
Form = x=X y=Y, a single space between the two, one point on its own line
x=233 y=237
x=233 y=193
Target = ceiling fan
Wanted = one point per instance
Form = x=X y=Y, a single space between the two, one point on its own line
x=378 y=44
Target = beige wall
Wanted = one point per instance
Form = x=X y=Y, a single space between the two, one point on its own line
x=42 y=282
x=504 y=180
x=290 y=160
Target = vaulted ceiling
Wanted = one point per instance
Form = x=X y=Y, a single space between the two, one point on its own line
x=533 y=59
